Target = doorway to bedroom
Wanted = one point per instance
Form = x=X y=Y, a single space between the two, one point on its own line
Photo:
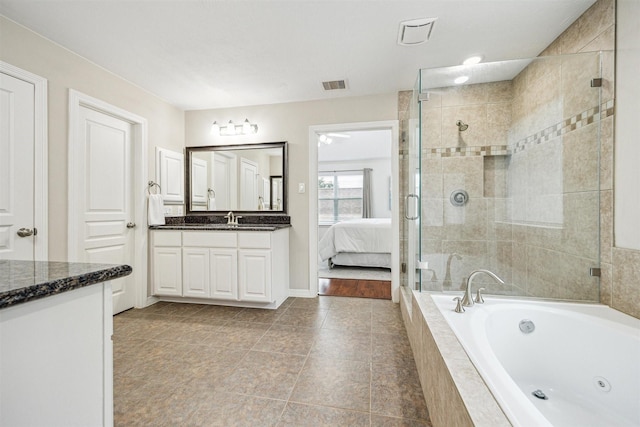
x=354 y=212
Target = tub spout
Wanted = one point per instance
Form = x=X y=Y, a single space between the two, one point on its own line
x=467 y=300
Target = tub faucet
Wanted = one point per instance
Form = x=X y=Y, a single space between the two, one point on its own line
x=467 y=300
x=446 y=283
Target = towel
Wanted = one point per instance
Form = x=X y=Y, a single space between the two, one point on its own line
x=211 y=204
x=156 y=209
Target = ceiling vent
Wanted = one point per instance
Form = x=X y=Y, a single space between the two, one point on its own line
x=334 y=84
x=415 y=31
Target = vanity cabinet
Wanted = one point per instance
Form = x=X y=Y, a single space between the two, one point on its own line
x=167 y=263
x=243 y=268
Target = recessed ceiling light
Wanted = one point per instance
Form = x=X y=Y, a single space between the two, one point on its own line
x=461 y=79
x=472 y=60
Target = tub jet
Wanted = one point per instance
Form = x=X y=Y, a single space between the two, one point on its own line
x=540 y=394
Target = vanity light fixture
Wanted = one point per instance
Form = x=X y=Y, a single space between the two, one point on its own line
x=472 y=60
x=461 y=79
x=246 y=128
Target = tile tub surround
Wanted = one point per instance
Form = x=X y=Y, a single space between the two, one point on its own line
x=22 y=281
x=330 y=361
x=454 y=391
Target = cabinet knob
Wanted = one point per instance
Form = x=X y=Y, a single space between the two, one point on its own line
x=131 y=225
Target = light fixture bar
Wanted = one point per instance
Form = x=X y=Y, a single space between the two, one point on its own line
x=231 y=129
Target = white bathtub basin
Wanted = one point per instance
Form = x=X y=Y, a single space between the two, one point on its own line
x=585 y=358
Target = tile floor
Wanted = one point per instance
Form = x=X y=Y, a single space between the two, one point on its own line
x=327 y=361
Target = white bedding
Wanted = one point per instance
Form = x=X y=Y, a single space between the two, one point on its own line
x=368 y=235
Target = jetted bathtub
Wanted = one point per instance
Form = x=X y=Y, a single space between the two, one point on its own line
x=553 y=363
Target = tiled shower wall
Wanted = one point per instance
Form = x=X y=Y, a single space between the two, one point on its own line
x=539 y=237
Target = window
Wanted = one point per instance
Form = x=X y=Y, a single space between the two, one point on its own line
x=339 y=196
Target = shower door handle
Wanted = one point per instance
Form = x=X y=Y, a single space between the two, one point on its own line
x=406 y=207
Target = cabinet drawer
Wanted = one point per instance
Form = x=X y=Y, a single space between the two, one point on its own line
x=167 y=238
x=210 y=239
x=254 y=240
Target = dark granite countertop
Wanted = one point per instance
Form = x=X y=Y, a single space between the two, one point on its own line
x=22 y=281
x=221 y=227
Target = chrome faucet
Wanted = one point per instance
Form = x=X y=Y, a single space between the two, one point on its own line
x=467 y=300
x=446 y=283
x=232 y=219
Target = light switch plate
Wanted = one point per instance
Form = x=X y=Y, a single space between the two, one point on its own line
x=301 y=188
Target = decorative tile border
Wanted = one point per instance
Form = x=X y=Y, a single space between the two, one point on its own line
x=484 y=150
x=568 y=125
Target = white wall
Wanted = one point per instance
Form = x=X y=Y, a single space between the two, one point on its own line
x=627 y=134
x=379 y=181
x=65 y=70
x=290 y=122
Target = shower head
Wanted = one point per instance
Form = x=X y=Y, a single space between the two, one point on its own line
x=462 y=126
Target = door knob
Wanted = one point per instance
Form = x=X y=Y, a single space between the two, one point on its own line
x=131 y=225
x=25 y=232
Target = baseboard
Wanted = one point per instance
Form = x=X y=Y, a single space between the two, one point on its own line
x=302 y=293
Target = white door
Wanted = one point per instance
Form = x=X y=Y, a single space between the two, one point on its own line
x=17 y=229
x=106 y=229
x=199 y=194
x=248 y=185
x=222 y=181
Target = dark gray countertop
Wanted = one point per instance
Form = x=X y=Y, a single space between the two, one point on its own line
x=221 y=227
x=22 y=281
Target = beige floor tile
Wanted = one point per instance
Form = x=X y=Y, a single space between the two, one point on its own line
x=325 y=361
x=333 y=382
x=263 y=374
x=296 y=415
x=348 y=320
x=339 y=344
x=312 y=317
x=240 y=335
x=231 y=410
x=382 y=421
x=288 y=339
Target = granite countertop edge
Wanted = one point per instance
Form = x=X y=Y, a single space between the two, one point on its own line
x=45 y=289
x=220 y=227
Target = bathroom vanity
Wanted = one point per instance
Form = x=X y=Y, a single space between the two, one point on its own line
x=245 y=265
x=56 y=353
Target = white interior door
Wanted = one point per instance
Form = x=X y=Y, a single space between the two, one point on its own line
x=199 y=194
x=17 y=230
x=222 y=181
x=106 y=225
x=248 y=185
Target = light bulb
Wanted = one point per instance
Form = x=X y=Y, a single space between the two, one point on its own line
x=246 y=127
x=231 y=128
x=322 y=138
x=215 y=129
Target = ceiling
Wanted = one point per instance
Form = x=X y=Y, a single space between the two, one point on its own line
x=199 y=54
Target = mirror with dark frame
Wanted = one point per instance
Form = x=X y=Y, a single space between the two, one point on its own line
x=241 y=178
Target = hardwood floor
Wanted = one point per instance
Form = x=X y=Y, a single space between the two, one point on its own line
x=379 y=289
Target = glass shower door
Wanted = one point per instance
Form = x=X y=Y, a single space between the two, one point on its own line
x=412 y=178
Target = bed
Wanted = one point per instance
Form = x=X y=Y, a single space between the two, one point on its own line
x=362 y=242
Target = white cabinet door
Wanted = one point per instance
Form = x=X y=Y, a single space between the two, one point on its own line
x=195 y=272
x=254 y=275
x=170 y=174
x=167 y=271
x=224 y=274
